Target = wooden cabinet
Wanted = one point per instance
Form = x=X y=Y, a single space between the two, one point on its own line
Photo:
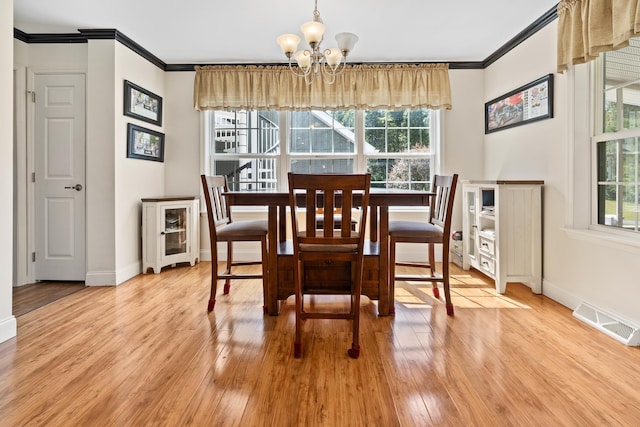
x=170 y=232
x=502 y=231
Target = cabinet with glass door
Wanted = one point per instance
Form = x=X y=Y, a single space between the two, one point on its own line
x=170 y=232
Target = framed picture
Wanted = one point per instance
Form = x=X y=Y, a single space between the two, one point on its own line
x=141 y=104
x=529 y=103
x=144 y=143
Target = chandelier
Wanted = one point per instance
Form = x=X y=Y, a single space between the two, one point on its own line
x=313 y=61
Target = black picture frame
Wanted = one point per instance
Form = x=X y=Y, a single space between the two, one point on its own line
x=529 y=103
x=145 y=144
x=142 y=104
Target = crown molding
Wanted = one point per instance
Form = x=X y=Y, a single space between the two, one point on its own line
x=84 y=35
x=48 y=37
x=20 y=35
x=537 y=25
x=112 y=34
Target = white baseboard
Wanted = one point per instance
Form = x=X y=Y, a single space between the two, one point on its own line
x=113 y=278
x=205 y=255
x=8 y=328
x=128 y=272
x=560 y=295
x=100 y=278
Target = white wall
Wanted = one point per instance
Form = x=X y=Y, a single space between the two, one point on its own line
x=182 y=173
x=114 y=184
x=574 y=269
x=49 y=57
x=8 y=326
x=463 y=133
x=184 y=161
x=134 y=178
x=183 y=167
x=101 y=195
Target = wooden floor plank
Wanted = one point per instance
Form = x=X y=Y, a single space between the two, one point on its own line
x=147 y=353
x=33 y=296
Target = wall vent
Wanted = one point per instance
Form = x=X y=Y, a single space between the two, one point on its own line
x=609 y=324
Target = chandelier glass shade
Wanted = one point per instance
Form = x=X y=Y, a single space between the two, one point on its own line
x=315 y=61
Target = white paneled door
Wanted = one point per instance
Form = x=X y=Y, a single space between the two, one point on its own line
x=60 y=177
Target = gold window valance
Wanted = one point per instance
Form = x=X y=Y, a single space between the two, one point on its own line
x=253 y=87
x=588 y=27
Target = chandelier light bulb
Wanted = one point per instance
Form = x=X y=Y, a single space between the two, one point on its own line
x=333 y=57
x=312 y=31
x=303 y=58
x=288 y=43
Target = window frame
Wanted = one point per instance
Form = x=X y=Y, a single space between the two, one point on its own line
x=283 y=157
x=598 y=135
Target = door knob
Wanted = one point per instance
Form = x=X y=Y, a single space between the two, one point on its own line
x=77 y=187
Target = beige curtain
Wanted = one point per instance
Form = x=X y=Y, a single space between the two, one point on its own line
x=360 y=86
x=588 y=27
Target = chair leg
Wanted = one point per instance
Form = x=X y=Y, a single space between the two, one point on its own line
x=227 y=283
x=214 y=282
x=354 y=351
x=445 y=280
x=297 y=344
x=392 y=276
x=265 y=274
x=432 y=267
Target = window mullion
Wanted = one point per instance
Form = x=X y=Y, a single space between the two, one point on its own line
x=361 y=163
x=285 y=159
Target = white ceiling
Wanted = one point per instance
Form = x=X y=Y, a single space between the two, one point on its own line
x=244 y=31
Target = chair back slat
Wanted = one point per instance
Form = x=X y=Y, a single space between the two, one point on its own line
x=329 y=207
x=218 y=210
x=444 y=188
x=310 y=206
x=349 y=192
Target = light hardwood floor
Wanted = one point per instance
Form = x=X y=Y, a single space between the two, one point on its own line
x=36 y=295
x=147 y=353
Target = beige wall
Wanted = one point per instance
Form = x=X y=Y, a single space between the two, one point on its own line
x=101 y=191
x=462 y=133
x=577 y=267
x=539 y=150
x=134 y=178
x=183 y=132
x=7 y=321
x=114 y=183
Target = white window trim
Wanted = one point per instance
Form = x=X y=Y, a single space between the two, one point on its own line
x=360 y=159
x=582 y=116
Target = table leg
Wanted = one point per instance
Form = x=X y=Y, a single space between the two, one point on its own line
x=385 y=302
x=373 y=223
x=272 y=286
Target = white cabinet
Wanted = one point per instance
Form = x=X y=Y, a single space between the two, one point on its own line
x=170 y=232
x=502 y=231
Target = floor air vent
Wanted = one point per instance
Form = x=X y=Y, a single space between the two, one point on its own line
x=615 y=328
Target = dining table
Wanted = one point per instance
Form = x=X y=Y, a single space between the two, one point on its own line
x=376 y=280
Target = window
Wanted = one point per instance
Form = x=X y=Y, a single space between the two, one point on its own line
x=254 y=148
x=397 y=148
x=244 y=146
x=322 y=142
x=616 y=143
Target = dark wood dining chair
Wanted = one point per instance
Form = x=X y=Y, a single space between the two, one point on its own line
x=223 y=229
x=330 y=246
x=435 y=230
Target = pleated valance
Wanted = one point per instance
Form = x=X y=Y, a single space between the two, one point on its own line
x=588 y=27
x=254 y=87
